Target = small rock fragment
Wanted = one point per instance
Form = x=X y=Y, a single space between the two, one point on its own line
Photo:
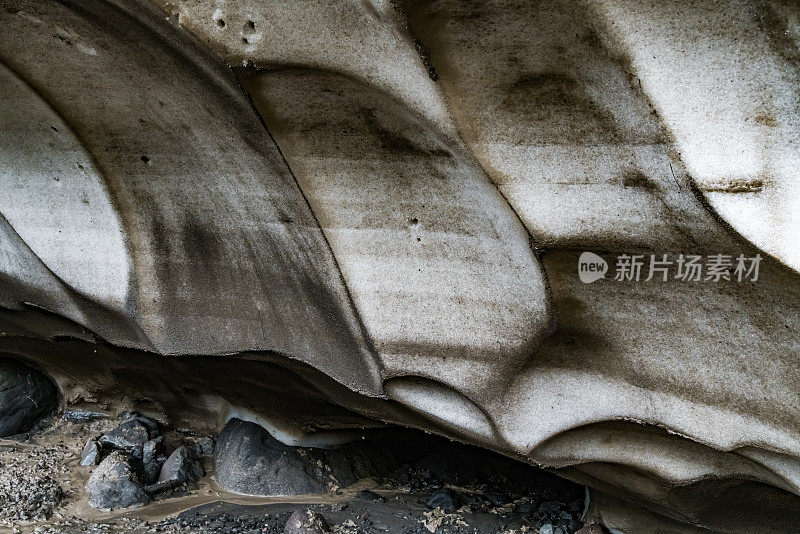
x=497 y=498
x=129 y=436
x=547 y=528
x=204 y=446
x=306 y=522
x=91 y=453
x=180 y=467
x=446 y=499
x=82 y=416
x=150 y=449
x=149 y=423
x=114 y=484
x=151 y=466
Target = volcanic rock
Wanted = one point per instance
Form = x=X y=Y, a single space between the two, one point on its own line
x=114 y=484
x=26 y=395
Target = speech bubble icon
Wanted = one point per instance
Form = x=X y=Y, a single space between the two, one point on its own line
x=591 y=267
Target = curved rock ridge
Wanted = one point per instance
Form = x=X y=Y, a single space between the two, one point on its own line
x=56 y=200
x=735 y=64
x=362 y=40
x=440 y=269
x=396 y=195
x=201 y=191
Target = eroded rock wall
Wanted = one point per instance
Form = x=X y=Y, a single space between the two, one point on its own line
x=395 y=194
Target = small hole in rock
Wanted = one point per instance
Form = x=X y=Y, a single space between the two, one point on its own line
x=244 y=40
x=250 y=25
x=413 y=221
x=220 y=23
x=145 y=159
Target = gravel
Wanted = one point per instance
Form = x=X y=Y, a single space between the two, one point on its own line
x=27 y=489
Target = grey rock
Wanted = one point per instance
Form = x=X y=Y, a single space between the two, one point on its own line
x=151 y=449
x=129 y=436
x=151 y=460
x=148 y=422
x=82 y=416
x=306 y=522
x=250 y=461
x=91 y=453
x=114 y=484
x=26 y=395
x=547 y=528
x=158 y=487
x=447 y=500
x=181 y=466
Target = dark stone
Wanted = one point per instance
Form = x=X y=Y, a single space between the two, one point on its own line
x=306 y=522
x=129 y=436
x=497 y=498
x=91 y=453
x=180 y=467
x=369 y=495
x=528 y=509
x=550 y=508
x=446 y=499
x=250 y=461
x=148 y=422
x=158 y=487
x=151 y=449
x=82 y=416
x=151 y=466
x=365 y=458
x=114 y=484
x=26 y=395
x=204 y=446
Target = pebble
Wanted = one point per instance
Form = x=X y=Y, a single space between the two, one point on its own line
x=446 y=499
x=91 y=453
x=306 y=522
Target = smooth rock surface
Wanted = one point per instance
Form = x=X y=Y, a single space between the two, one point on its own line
x=26 y=395
x=248 y=460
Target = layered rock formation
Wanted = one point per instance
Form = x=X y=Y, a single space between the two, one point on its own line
x=322 y=216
